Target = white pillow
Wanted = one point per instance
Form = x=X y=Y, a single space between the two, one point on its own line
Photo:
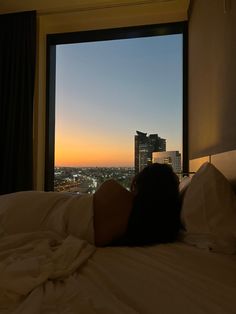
x=183 y=186
x=209 y=211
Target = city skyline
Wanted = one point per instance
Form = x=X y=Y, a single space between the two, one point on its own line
x=105 y=91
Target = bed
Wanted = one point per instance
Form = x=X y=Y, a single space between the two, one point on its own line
x=53 y=272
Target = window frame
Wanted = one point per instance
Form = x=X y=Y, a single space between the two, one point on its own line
x=102 y=35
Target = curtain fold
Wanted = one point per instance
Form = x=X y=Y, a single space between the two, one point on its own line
x=17 y=74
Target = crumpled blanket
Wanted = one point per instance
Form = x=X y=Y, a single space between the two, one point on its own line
x=44 y=237
x=28 y=260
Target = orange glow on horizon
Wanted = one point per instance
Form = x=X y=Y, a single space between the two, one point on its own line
x=93 y=164
x=74 y=148
x=99 y=160
x=92 y=152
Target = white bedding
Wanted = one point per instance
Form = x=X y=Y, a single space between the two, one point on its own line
x=42 y=239
x=165 y=279
x=30 y=260
x=62 y=213
x=170 y=278
x=46 y=272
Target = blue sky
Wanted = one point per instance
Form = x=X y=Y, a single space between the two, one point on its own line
x=107 y=90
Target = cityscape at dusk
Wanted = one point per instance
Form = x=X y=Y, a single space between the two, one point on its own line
x=148 y=149
x=107 y=90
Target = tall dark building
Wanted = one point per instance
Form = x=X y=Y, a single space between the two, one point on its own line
x=144 y=146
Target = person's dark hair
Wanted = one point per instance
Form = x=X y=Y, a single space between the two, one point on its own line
x=155 y=216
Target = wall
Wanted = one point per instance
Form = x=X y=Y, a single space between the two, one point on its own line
x=146 y=12
x=212 y=77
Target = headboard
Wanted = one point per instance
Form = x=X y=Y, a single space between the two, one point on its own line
x=225 y=162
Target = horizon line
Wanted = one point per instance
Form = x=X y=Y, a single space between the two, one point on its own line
x=94 y=167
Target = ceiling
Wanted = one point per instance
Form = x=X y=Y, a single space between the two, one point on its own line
x=51 y=6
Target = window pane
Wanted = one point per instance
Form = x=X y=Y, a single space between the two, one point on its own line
x=106 y=91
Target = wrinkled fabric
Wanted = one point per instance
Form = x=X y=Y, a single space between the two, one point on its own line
x=31 y=259
x=63 y=213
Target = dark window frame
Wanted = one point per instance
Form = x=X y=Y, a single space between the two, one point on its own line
x=101 y=35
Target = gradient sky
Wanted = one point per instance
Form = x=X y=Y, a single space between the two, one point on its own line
x=107 y=90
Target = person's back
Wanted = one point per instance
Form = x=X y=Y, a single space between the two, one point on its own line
x=112 y=207
x=149 y=214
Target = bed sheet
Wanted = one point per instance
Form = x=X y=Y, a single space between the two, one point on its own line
x=170 y=278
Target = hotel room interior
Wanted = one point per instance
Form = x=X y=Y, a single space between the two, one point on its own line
x=196 y=274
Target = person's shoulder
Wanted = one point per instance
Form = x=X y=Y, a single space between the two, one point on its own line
x=109 y=182
x=109 y=186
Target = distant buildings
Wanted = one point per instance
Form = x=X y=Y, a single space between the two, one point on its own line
x=172 y=158
x=144 y=148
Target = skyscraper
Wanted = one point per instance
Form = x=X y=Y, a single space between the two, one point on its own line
x=144 y=146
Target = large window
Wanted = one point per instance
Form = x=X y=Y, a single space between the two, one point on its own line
x=116 y=102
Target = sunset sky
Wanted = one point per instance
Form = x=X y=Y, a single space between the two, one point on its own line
x=107 y=90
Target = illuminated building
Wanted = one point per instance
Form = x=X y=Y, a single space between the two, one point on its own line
x=144 y=147
x=172 y=158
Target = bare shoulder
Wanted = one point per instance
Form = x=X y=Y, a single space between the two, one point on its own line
x=112 y=206
x=110 y=187
x=110 y=195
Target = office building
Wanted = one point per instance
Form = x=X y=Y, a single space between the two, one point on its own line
x=172 y=158
x=145 y=145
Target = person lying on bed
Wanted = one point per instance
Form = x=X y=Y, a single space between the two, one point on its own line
x=149 y=213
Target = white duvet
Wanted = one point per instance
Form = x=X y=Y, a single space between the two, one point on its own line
x=44 y=237
x=62 y=213
x=50 y=272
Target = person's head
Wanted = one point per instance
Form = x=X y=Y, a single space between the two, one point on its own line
x=155 y=216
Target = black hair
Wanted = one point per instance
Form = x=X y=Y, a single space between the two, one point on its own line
x=155 y=215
